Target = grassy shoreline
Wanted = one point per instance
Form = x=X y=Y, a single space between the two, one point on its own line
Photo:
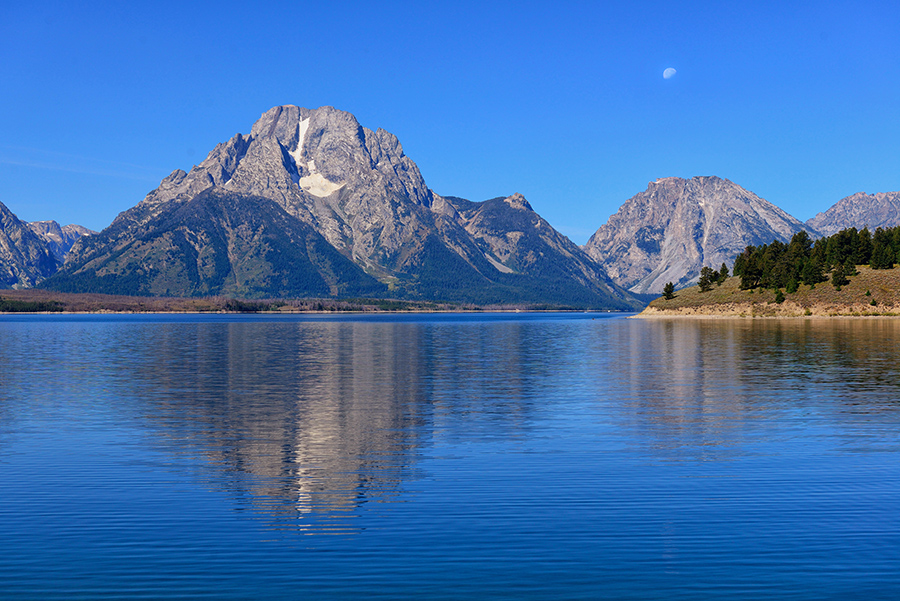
x=871 y=293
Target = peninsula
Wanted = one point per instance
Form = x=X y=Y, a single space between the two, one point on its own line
x=872 y=292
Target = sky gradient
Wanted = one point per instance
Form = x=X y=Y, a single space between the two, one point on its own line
x=563 y=102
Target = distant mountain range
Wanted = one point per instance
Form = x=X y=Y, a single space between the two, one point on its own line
x=32 y=252
x=312 y=204
x=59 y=239
x=25 y=257
x=676 y=226
x=859 y=210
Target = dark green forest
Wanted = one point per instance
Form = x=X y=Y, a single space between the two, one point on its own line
x=8 y=305
x=803 y=261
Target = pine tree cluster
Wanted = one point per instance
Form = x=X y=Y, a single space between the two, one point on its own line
x=709 y=276
x=802 y=261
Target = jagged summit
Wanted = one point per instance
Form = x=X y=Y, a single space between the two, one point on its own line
x=676 y=226
x=322 y=167
x=517 y=201
x=356 y=189
x=59 y=239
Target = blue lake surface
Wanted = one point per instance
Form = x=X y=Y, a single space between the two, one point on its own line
x=470 y=456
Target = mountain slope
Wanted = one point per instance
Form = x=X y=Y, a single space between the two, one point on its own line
x=216 y=243
x=676 y=226
x=356 y=189
x=859 y=210
x=520 y=243
x=59 y=240
x=25 y=259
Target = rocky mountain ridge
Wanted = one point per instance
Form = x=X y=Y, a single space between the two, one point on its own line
x=676 y=226
x=59 y=239
x=216 y=243
x=859 y=210
x=314 y=182
x=330 y=177
x=25 y=259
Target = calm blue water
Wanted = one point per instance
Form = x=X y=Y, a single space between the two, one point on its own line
x=529 y=456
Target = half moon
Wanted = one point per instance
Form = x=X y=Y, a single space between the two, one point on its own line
x=669 y=73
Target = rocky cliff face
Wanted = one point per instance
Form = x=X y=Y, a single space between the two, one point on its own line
x=25 y=259
x=676 y=226
x=59 y=239
x=859 y=210
x=358 y=191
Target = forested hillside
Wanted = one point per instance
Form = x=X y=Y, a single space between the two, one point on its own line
x=802 y=261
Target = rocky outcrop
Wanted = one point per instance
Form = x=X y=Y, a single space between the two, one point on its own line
x=59 y=239
x=676 y=226
x=25 y=259
x=358 y=191
x=859 y=210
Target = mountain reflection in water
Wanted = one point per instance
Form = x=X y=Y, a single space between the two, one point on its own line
x=529 y=456
x=322 y=417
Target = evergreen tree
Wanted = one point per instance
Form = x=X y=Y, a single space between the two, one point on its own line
x=751 y=271
x=708 y=276
x=882 y=250
x=801 y=244
x=779 y=265
x=669 y=291
x=862 y=253
x=812 y=272
x=838 y=278
x=723 y=273
x=740 y=262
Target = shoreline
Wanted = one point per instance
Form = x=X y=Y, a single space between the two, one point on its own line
x=771 y=310
x=400 y=312
x=39 y=301
x=870 y=293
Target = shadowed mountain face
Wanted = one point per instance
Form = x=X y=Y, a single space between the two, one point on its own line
x=218 y=242
x=676 y=226
x=25 y=259
x=519 y=243
x=859 y=210
x=351 y=189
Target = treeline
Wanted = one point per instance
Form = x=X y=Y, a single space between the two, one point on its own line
x=8 y=305
x=802 y=261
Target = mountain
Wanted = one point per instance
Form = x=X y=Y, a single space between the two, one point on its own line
x=859 y=210
x=535 y=262
x=59 y=240
x=216 y=243
x=25 y=259
x=676 y=226
x=330 y=184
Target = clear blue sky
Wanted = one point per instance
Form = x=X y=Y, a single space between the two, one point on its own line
x=564 y=102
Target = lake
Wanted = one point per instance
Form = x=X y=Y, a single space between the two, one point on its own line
x=448 y=456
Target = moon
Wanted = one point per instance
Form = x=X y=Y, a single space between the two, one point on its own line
x=669 y=73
